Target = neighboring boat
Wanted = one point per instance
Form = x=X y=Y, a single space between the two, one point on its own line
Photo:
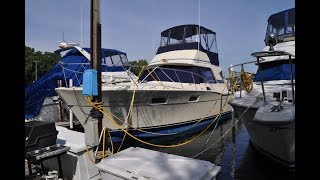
x=41 y=101
x=181 y=90
x=267 y=109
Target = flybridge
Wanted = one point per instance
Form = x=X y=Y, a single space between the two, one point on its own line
x=190 y=37
x=282 y=24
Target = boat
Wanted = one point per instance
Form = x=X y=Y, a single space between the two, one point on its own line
x=266 y=102
x=42 y=102
x=181 y=91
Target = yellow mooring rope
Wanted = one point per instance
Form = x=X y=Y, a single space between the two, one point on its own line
x=158 y=145
x=131 y=107
x=244 y=78
x=161 y=134
x=246 y=81
x=99 y=107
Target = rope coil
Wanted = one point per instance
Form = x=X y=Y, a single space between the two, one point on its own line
x=246 y=80
x=243 y=78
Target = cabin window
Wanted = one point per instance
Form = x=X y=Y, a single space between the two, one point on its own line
x=116 y=60
x=280 y=32
x=108 y=61
x=183 y=74
x=290 y=30
x=207 y=74
x=221 y=81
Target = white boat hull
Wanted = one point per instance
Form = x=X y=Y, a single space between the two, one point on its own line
x=274 y=140
x=177 y=109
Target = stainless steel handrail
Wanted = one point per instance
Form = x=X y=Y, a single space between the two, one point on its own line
x=153 y=71
x=261 y=54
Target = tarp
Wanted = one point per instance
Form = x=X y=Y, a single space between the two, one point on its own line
x=36 y=92
x=278 y=72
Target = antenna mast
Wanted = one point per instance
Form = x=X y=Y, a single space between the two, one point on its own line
x=199 y=29
x=81 y=24
x=152 y=45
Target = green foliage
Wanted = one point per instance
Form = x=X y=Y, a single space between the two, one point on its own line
x=44 y=62
x=137 y=65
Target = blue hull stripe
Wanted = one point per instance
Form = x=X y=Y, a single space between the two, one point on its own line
x=118 y=134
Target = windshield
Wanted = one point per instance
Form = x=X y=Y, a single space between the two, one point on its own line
x=116 y=60
x=183 y=74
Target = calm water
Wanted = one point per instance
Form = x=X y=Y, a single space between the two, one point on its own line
x=234 y=153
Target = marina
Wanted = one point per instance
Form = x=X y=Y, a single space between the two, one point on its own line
x=98 y=115
x=234 y=153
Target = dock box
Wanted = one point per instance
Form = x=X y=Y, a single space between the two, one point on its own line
x=137 y=163
x=39 y=134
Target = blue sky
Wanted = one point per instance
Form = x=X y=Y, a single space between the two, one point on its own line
x=134 y=26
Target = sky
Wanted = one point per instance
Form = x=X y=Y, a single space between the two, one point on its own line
x=134 y=26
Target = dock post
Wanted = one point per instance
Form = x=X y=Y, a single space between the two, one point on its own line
x=94 y=125
x=233 y=115
x=70 y=111
x=60 y=103
x=71 y=118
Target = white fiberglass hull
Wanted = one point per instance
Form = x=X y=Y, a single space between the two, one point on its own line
x=145 y=114
x=275 y=140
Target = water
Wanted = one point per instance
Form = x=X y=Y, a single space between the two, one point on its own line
x=235 y=154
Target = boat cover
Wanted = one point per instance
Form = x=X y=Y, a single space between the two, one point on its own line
x=275 y=72
x=36 y=92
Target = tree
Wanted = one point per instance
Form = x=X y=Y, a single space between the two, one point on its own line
x=45 y=61
x=137 y=65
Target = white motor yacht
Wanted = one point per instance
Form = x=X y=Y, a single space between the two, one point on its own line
x=267 y=106
x=181 y=90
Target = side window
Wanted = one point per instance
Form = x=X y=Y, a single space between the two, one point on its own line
x=207 y=74
x=221 y=81
x=108 y=61
x=116 y=60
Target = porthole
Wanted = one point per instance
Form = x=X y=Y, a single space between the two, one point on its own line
x=159 y=101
